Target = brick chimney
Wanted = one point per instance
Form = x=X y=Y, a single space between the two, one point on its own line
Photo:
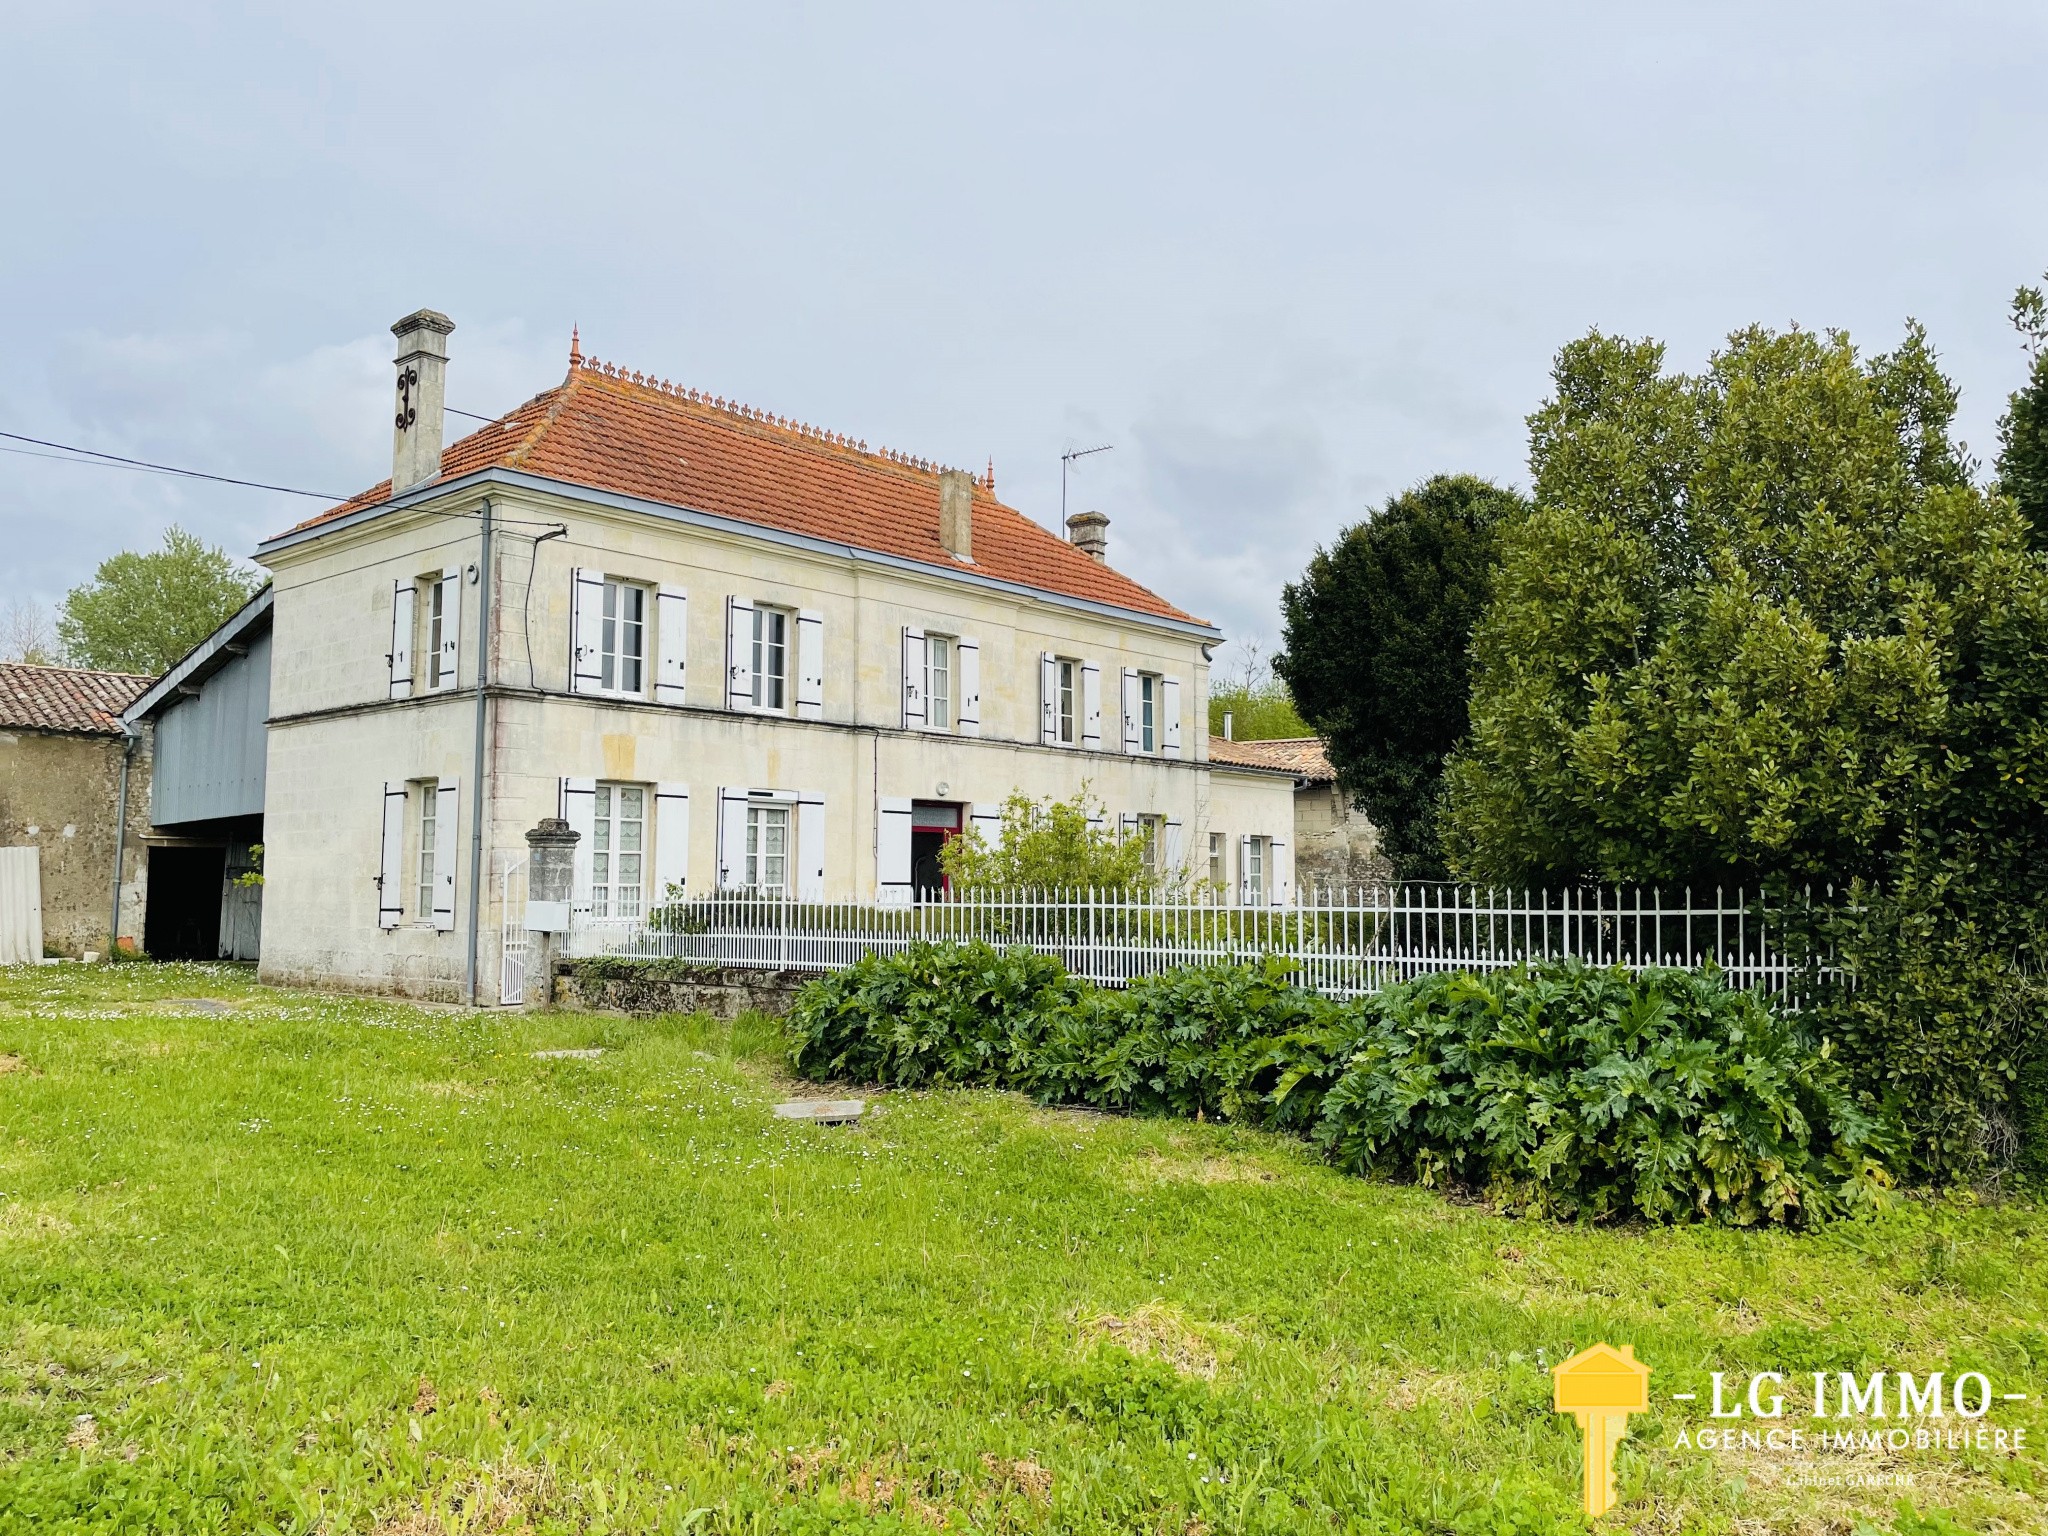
x=422 y=393
x=956 y=512
x=1089 y=533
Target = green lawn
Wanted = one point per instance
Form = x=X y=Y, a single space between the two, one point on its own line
x=302 y=1263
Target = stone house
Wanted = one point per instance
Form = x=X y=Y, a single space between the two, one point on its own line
x=70 y=776
x=733 y=650
x=1335 y=846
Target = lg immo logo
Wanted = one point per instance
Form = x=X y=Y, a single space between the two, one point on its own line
x=1820 y=1413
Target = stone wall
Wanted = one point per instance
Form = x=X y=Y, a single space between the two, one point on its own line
x=58 y=794
x=1335 y=846
x=724 y=994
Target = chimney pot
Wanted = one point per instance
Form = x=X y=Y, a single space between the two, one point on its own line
x=422 y=395
x=956 y=513
x=1089 y=532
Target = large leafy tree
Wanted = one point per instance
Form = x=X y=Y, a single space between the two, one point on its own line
x=1760 y=627
x=1258 y=703
x=142 y=611
x=1376 y=634
x=2023 y=430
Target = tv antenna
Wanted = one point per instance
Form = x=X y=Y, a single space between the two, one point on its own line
x=1067 y=463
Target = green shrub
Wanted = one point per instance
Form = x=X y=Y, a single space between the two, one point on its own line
x=1558 y=1089
x=1208 y=1041
x=1578 y=1092
x=930 y=1014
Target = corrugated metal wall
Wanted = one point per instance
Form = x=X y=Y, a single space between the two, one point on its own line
x=21 y=905
x=210 y=749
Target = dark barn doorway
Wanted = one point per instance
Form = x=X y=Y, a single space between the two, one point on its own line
x=183 y=919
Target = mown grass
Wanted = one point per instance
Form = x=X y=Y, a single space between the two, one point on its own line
x=317 y=1264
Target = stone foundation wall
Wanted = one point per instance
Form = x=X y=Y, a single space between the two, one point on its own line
x=724 y=994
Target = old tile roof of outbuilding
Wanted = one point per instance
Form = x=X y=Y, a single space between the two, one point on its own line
x=633 y=435
x=1303 y=756
x=67 y=699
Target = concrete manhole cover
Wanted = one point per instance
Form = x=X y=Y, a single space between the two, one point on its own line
x=821 y=1111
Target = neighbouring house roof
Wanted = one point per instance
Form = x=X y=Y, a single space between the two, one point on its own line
x=205 y=658
x=67 y=699
x=612 y=430
x=1303 y=756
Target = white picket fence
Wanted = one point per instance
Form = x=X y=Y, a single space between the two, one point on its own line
x=1342 y=943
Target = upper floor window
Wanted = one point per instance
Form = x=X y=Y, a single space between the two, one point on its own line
x=1066 y=701
x=618 y=851
x=770 y=658
x=436 y=594
x=1148 y=711
x=938 y=681
x=622 y=638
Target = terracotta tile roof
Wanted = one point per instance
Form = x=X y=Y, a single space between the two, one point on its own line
x=65 y=698
x=1303 y=756
x=635 y=436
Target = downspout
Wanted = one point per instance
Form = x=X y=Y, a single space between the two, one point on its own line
x=120 y=836
x=476 y=800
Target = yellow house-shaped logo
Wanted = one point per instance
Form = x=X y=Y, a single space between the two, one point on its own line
x=1600 y=1387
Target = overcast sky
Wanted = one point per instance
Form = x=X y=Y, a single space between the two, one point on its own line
x=1287 y=258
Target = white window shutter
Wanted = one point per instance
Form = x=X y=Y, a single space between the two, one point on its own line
x=672 y=644
x=892 y=852
x=1048 y=699
x=391 y=859
x=1091 y=705
x=1279 y=873
x=967 y=664
x=671 y=840
x=1130 y=709
x=732 y=839
x=810 y=665
x=586 y=631
x=810 y=845
x=447 y=850
x=579 y=809
x=1169 y=741
x=987 y=821
x=403 y=596
x=739 y=654
x=1126 y=824
x=1173 y=852
x=913 y=678
x=451 y=623
x=1244 y=871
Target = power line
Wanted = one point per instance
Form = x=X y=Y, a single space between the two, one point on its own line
x=92 y=454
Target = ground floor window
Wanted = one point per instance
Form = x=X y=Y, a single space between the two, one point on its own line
x=1219 y=874
x=618 y=851
x=429 y=792
x=1255 y=869
x=767 y=862
x=1152 y=829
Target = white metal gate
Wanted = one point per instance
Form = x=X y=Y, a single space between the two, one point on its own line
x=516 y=941
x=21 y=906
